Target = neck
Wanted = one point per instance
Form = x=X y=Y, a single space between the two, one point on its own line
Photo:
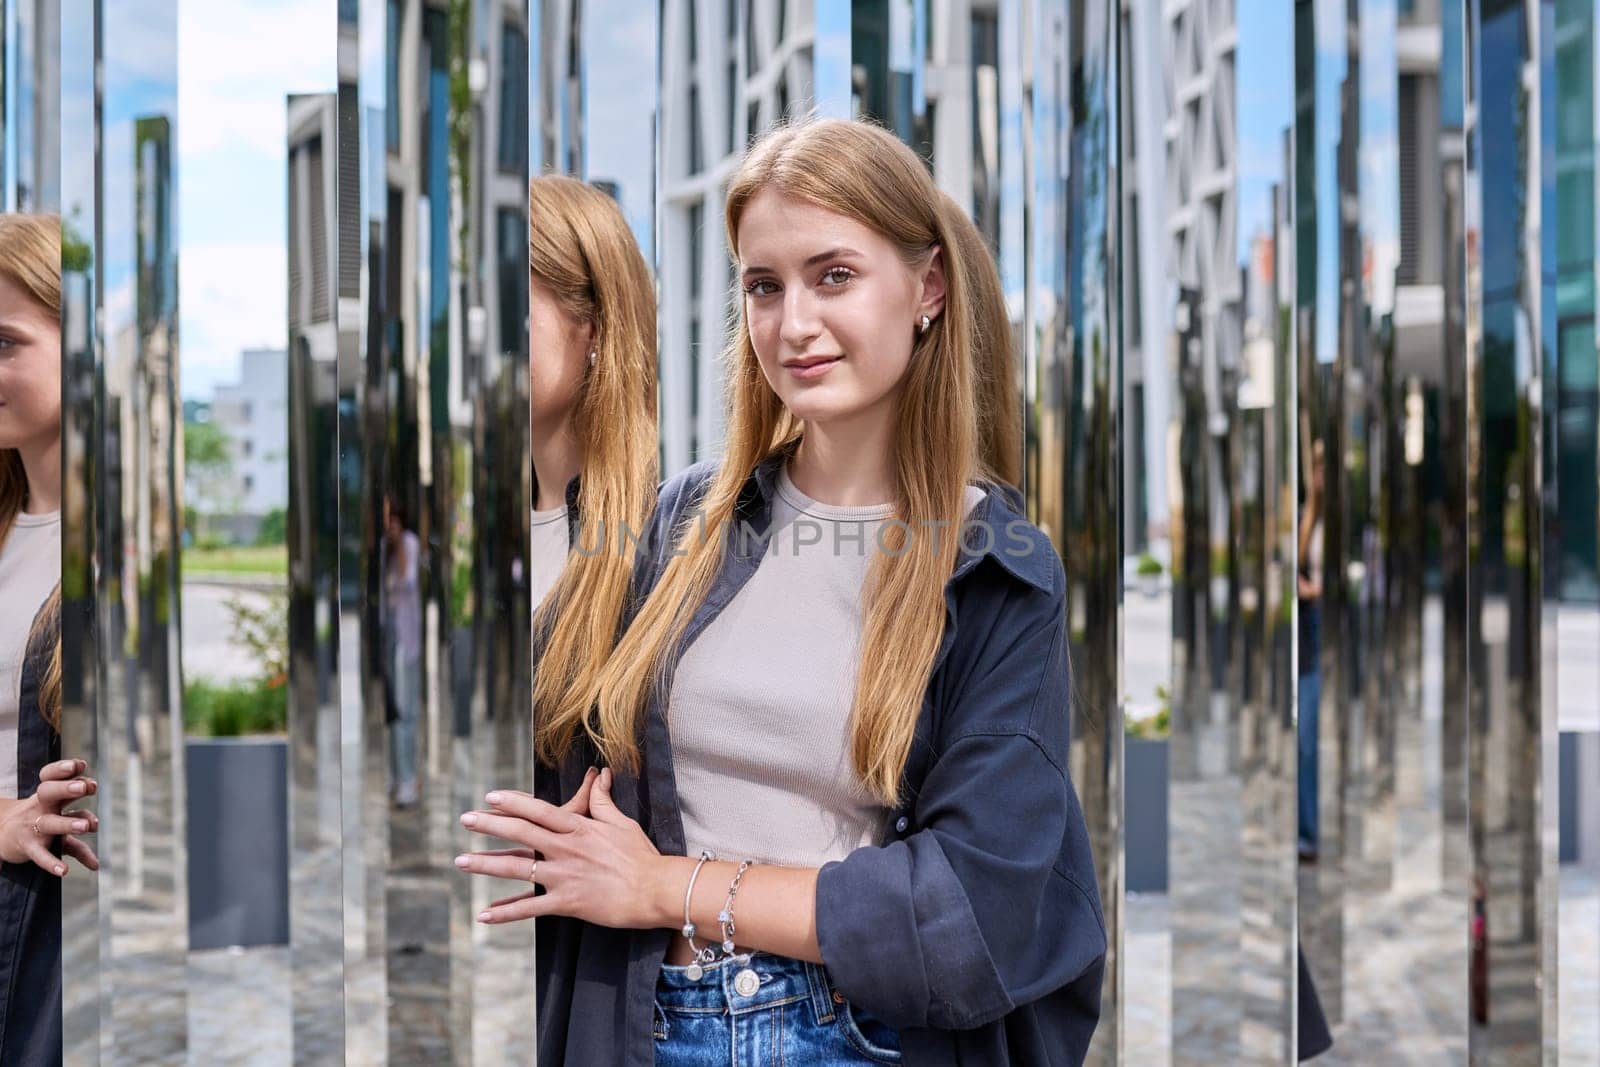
x=43 y=468
x=557 y=459
x=846 y=463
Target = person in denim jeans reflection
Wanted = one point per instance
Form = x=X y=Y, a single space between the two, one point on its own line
x=1309 y=582
x=835 y=823
x=402 y=631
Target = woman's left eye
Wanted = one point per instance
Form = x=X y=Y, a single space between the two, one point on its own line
x=846 y=272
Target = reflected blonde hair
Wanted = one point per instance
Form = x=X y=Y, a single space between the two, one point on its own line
x=581 y=249
x=864 y=173
x=998 y=391
x=30 y=258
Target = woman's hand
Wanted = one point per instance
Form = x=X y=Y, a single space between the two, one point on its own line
x=599 y=868
x=577 y=805
x=27 y=826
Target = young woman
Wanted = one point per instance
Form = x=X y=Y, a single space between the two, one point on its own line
x=850 y=671
x=36 y=784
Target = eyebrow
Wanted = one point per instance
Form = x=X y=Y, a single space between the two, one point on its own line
x=832 y=253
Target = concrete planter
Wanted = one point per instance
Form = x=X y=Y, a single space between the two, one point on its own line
x=1145 y=766
x=238 y=841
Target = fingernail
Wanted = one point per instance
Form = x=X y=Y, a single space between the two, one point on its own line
x=77 y=787
x=79 y=827
x=60 y=870
x=469 y=819
x=493 y=798
x=483 y=916
x=592 y=770
x=462 y=861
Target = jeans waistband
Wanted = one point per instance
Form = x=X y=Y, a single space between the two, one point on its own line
x=783 y=979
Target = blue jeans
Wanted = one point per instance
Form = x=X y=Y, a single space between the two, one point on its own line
x=405 y=674
x=1310 y=698
x=793 y=1016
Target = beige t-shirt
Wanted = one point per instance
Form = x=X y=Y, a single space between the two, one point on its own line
x=30 y=566
x=549 y=551
x=759 y=712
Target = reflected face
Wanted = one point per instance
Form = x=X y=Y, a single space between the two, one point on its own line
x=30 y=370
x=831 y=307
x=558 y=357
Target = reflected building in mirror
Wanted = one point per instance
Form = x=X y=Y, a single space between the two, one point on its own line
x=30 y=139
x=728 y=72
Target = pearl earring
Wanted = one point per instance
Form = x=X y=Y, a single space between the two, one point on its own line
x=591 y=359
x=924 y=328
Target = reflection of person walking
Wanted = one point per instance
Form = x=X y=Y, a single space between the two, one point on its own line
x=1310 y=687
x=400 y=609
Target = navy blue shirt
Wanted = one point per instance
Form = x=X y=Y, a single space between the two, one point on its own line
x=30 y=898
x=976 y=928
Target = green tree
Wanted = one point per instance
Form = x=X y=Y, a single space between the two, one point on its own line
x=209 y=461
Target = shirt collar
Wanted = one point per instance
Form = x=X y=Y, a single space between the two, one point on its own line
x=1027 y=559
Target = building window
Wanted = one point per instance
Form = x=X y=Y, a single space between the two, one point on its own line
x=513 y=99
x=512 y=268
x=391 y=71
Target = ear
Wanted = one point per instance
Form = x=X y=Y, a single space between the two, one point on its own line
x=584 y=335
x=931 y=303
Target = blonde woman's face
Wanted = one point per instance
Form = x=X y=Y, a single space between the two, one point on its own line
x=831 y=307
x=558 y=357
x=30 y=370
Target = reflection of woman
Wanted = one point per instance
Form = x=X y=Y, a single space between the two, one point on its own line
x=402 y=625
x=592 y=399
x=870 y=710
x=1310 y=686
x=36 y=784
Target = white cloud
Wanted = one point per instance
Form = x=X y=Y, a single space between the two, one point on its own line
x=237 y=61
x=233 y=297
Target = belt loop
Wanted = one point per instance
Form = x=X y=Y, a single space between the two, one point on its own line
x=821 y=1000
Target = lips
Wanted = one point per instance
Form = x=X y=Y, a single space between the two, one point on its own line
x=810 y=361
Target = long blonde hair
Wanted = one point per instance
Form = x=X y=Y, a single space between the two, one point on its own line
x=864 y=173
x=581 y=249
x=30 y=258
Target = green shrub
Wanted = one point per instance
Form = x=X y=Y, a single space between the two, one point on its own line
x=233 y=709
x=1152 y=728
x=274 y=528
x=1149 y=566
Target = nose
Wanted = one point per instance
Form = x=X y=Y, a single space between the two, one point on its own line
x=800 y=324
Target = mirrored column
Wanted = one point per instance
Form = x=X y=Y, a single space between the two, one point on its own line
x=315 y=284
x=141 y=907
x=30 y=174
x=1512 y=354
x=85 y=902
x=1211 y=521
x=432 y=193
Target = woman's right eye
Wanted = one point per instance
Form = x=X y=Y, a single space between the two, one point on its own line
x=753 y=289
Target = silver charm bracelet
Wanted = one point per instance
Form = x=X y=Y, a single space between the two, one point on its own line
x=708 y=954
x=725 y=916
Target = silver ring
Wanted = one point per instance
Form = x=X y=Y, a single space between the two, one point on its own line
x=533 y=871
x=37 y=832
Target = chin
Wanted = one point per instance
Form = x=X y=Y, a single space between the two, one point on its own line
x=818 y=408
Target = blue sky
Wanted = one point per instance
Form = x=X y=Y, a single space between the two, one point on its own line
x=236 y=63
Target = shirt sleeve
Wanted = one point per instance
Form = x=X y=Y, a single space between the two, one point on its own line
x=991 y=902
